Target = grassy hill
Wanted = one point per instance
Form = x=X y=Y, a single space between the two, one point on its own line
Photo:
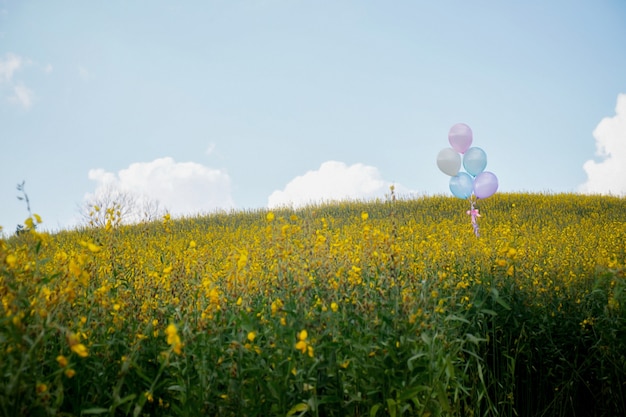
x=389 y=308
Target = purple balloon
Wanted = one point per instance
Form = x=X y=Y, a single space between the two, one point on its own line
x=460 y=137
x=485 y=184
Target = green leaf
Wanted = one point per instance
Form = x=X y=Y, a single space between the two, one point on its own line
x=374 y=409
x=498 y=299
x=126 y=399
x=298 y=408
x=178 y=388
x=443 y=400
x=411 y=393
x=457 y=318
x=449 y=368
x=474 y=339
x=503 y=303
x=143 y=376
x=480 y=373
x=391 y=406
x=413 y=359
x=95 y=410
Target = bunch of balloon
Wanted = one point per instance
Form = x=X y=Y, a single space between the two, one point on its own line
x=474 y=183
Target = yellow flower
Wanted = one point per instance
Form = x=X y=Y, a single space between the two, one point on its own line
x=364 y=216
x=93 y=248
x=269 y=217
x=334 y=307
x=242 y=261
x=62 y=360
x=302 y=336
x=172 y=334
x=173 y=339
x=251 y=336
x=462 y=285
x=29 y=223
x=41 y=388
x=70 y=373
x=276 y=305
x=302 y=345
x=11 y=260
x=80 y=350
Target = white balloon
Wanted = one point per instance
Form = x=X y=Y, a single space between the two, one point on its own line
x=449 y=161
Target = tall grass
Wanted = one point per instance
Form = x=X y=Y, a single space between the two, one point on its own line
x=390 y=308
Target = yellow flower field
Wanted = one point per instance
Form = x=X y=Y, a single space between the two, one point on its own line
x=389 y=308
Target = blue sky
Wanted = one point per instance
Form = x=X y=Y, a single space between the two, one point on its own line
x=241 y=104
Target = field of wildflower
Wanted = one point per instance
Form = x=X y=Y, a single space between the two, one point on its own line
x=387 y=308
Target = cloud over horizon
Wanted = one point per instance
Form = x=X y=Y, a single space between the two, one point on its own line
x=608 y=176
x=181 y=188
x=333 y=181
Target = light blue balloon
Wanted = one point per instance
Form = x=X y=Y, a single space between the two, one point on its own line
x=462 y=185
x=475 y=161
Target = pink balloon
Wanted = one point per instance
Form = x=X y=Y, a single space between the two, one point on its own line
x=485 y=184
x=460 y=137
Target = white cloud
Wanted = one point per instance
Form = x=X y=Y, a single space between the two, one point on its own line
x=18 y=93
x=84 y=73
x=22 y=96
x=608 y=176
x=181 y=188
x=9 y=66
x=211 y=148
x=333 y=181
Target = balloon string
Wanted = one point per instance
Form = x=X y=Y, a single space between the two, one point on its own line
x=474 y=214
